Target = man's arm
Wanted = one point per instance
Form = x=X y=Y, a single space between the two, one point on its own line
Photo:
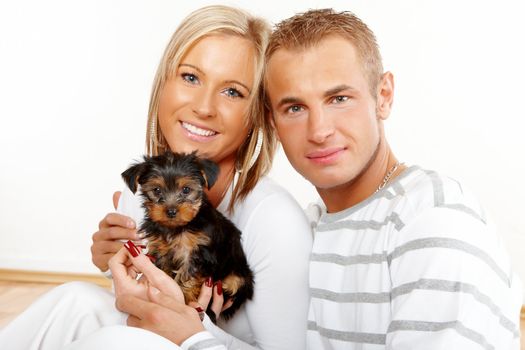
x=452 y=285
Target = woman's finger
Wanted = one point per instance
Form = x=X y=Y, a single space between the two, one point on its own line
x=218 y=299
x=227 y=304
x=206 y=293
x=115 y=219
x=155 y=276
x=105 y=247
x=116 y=198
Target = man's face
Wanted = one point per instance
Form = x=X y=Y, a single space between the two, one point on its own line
x=323 y=111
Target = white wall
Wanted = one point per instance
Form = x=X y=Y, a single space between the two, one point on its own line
x=75 y=79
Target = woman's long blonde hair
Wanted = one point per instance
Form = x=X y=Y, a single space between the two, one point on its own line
x=209 y=20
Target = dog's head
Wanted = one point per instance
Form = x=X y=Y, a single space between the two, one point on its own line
x=172 y=185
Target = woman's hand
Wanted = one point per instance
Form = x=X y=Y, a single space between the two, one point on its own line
x=212 y=293
x=106 y=241
x=161 y=314
x=155 y=301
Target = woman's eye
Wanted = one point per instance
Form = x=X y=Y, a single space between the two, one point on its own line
x=232 y=92
x=190 y=78
x=339 y=99
x=186 y=190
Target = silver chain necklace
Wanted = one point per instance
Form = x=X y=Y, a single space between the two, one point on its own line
x=389 y=175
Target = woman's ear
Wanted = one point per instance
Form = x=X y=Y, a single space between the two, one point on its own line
x=385 y=95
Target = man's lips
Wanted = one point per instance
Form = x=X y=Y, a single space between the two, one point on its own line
x=325 y=156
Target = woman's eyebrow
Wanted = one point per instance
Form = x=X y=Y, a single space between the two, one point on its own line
x=192 y=66
x=238 y=83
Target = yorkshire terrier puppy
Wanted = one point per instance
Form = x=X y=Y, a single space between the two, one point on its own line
x=187 y=237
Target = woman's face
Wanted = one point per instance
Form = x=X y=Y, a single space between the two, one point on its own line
x=204 y=106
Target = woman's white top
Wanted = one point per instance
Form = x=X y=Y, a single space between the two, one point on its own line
x=276 y=238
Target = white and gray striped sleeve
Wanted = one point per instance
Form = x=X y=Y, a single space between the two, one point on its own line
x=452 y=285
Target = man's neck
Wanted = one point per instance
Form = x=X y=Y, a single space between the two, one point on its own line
x=364 y=185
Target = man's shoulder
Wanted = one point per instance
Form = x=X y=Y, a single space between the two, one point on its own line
x=424 y=189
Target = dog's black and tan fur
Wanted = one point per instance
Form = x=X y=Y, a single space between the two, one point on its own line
x=187 y=236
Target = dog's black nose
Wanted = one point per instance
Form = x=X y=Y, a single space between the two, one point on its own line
x=171 y=212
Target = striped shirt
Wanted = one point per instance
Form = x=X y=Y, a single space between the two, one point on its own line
x=415 y=266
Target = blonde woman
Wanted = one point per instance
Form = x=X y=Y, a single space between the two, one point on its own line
x=206 y=97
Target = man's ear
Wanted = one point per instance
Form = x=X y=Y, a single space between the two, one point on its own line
x=385 y=95
x=210 y=172
x=133 y=174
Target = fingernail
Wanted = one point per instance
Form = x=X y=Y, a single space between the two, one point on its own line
x=209 y=282
x=132 y=249
x=219 y=287
x=130 y=224
x=201 y=312
x=151 y=258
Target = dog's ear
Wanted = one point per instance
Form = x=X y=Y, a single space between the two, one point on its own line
x=132 y=175
x=210 y=172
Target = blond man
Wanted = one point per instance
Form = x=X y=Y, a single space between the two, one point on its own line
x=403 y=257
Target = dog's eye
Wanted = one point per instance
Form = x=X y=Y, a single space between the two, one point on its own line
x=186 y=190
x=157 y=191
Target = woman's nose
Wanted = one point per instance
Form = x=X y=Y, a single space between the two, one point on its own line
x=204 y=103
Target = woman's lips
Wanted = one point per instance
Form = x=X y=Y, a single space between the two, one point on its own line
x=197 y=133
x=325 y=156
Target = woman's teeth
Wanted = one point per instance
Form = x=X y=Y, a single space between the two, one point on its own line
x=197 y=131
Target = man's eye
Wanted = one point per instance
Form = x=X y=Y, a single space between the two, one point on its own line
x=190 y=78
x=294 y=109
x=186 y=190
x=339 y=99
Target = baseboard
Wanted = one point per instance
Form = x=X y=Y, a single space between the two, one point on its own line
x=52 y=277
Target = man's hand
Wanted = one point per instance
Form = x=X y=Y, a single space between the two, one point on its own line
x=106 y=241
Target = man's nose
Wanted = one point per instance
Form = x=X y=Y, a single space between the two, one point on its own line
x=320 y=125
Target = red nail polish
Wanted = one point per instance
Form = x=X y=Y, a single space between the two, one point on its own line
x=219 y=287
x=201 y=312
x=209 y=282
x=132 y=249
x=151 y=258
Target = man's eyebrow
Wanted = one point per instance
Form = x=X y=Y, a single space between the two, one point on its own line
x=337 y=89
x=226 y=82
x=289 y=100
x=330 y=92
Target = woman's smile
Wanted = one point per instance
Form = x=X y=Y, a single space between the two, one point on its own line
x=198 y=133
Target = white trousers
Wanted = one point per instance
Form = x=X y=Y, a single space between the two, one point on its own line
x=77 y=316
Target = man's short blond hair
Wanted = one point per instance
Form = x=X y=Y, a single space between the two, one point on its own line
x=307 y=29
